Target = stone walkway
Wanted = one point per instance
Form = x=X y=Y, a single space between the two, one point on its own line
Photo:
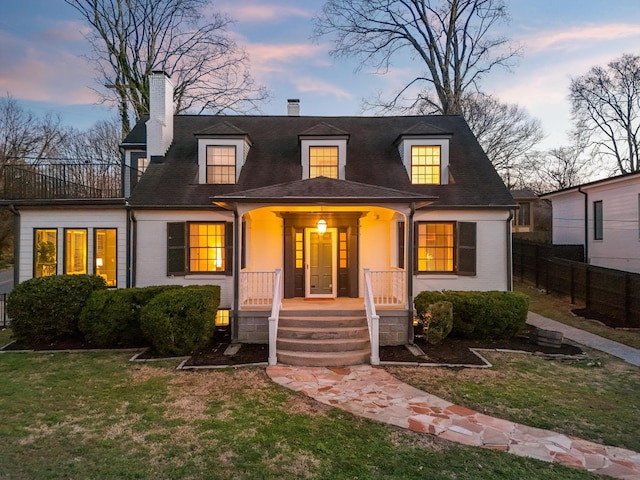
x=373 y=393
x=628 y=354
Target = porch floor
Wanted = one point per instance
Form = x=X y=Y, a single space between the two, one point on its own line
x=340 y=303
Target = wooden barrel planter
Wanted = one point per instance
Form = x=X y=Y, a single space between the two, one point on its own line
x=548 y=338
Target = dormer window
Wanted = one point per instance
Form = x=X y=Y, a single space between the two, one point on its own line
x=323 y=162
x=324 y=152
x=424 y=150
x=425 y=164
x=222 y=151
x=221 y=164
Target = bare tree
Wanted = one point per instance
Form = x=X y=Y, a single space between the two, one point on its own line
x=566 y=166
x=132 y=38
x=506 y=132
x=451 y=38
x=606 y=108
x=25 y=138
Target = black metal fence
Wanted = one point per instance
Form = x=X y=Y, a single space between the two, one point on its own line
x=614 y=294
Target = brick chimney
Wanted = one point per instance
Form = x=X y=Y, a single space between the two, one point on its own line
x=160 y=123
x=293 y=107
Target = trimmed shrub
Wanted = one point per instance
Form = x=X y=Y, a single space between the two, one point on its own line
x=111 y=318
x=48 y=308
x=481 y=315
x=178 y=322
x=439 y=322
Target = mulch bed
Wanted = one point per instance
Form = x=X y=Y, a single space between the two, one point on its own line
x=452 y=351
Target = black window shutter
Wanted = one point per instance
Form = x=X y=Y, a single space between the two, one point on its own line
x=176 y=249
x=466 y=248
x=228 y=251
x=401 y=242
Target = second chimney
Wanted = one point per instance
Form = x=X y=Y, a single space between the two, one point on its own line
x=293 y=107
x=160 y=123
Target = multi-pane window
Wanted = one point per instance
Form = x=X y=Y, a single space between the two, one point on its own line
x=425 y=164
x=45 y=252
x=597 y=220
x=206 y=247
x=299 y=250
x=323 y=162
x=75 y=251
x=342 y=250
x=436 y=246
x=222 y=318
x=524 y=214
x=105 y=255
x=221 y=164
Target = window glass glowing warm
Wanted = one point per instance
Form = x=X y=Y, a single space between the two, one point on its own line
x=45 y=252
x=105 y=255
x=206 y=247
x=435 y=247
x=299 y=250
x=221 y=164
x=425 y=164
x=222 y=318
x=323 y=162
x=75 y=251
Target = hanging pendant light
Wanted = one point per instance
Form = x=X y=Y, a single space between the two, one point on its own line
x=322 y=226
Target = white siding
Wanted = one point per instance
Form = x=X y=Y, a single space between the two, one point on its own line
x=620 y=244
x=491 y=253
x=90 y=219
x=151 y=251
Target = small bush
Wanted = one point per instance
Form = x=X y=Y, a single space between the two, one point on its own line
x=48 y=308
x=111 y=318
x=177 y=322
x=481 y=315
x=438 y=322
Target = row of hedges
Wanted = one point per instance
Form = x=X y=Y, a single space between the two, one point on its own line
x=175 y=320
x=480 y=315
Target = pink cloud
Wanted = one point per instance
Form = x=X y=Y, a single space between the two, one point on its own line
x=263 y=13
x=316 y=85
x=577 y=36
x=69 y=31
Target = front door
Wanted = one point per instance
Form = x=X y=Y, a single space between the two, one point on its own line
x=321 y=266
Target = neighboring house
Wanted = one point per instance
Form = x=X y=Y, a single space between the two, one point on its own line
x=533 y=219
x=604 y=216
x=228 y=200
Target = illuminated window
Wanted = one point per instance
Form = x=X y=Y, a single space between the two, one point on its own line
x=206 y=247
x=75 y=251
x=425 y=164
x=222 y=318
x=105 y=261
x=45 y=252
x=299 y=250
x=221 y=164
x=342 y=249
x=323 y=162
x=435 y=247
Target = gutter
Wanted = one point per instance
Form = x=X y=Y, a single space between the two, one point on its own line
x=236 y=272
x=509 y=253
x=132 y=234
x=586 y=223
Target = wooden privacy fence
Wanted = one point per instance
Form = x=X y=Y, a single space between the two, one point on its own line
x=614 y=294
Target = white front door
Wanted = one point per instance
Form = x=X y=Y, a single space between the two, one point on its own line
x=321 y=266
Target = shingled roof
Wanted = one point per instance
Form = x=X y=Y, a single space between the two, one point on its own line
x=274 y=160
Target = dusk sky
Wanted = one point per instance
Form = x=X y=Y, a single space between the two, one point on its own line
x=42 y=64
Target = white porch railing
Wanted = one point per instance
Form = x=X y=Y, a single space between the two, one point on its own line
x=256 y=288
x=389 y=287
x=373 y=320
x=275 y=314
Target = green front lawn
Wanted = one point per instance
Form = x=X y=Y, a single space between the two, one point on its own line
x=95 y=415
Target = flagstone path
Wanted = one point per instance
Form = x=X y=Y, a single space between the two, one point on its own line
x=373 y=393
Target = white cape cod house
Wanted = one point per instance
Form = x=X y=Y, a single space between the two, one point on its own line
x=327 y=213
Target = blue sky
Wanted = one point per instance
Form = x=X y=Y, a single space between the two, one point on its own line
x=42 y=63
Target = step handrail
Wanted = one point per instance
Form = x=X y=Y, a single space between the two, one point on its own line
x=373 y=320
x=275 y=314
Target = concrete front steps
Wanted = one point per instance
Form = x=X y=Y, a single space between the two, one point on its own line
x=323 y=338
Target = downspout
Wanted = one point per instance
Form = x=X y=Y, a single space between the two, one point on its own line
x=16 y=244
x=409 y=268
x=509 y=253
x=132 y=234
x=586 y=224
x=236 y=272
